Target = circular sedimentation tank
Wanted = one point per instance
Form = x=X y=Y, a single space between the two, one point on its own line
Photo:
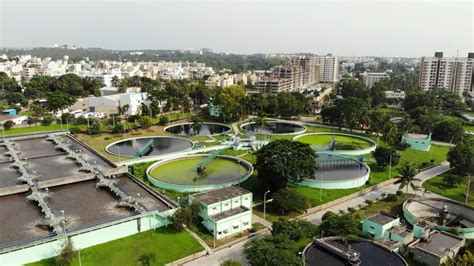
x=274 y=127
x=444 y=214
x=206 y=129
x=148 y=146
x=356 y=251
x=338 y=172
x=338 y=143
x=186 y=174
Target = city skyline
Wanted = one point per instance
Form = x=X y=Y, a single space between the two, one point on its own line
x=342 y=28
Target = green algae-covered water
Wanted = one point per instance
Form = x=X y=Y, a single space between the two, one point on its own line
x=183 y=171
x=342 y=142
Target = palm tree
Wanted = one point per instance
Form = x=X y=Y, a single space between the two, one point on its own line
x=196 y=125
x=407 y=178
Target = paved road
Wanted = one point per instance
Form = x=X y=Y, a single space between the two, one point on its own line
x=235 y=252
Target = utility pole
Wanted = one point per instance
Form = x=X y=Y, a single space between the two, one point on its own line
x=468 y=187
x=390 y=168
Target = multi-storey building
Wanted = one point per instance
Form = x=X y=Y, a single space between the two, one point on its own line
x=273 y=85
x=292 y=73
x=370 y=79
x=328 y=68
x=451 y=73
x=310 y=68
x=225 y=211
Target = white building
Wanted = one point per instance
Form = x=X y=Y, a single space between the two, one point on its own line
x=395 y=94
x=328 y=68
x=451 y=73
x=370 y=79
x=225 y=211
x=110 y=104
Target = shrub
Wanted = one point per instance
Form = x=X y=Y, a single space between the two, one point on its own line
x=391 y=198
x=8 y=124
x=369 y=202
x=67 y=254
x=452 y=180
x=118 y=128
x=337 y=225
x=47 y=120
x=351 y=210
x=181 y=218
x=231 y=262
x=147 y=258
x=399 y=193
x=403 y=146
x=163 y=121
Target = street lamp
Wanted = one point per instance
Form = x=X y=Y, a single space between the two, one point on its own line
x=265 y=203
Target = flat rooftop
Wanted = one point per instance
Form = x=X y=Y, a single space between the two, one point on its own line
x=230 y=213
x=439 y=243
x=381 y=218
x=415 y=136
x=222 y=194
x=72 y=192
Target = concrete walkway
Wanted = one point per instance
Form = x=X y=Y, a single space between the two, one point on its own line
x=260 y=220
x=201 y=242
x=235 y=128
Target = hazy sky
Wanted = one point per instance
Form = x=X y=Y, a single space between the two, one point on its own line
x=342 y=27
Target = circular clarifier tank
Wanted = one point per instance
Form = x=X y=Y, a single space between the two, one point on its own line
x=206 y=129
x=148 y=146
x=355 y=252
x=199 y=172
x=274 y=127
x=338 y=143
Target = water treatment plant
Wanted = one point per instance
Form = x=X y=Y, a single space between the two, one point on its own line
x=201 y=129
x=199 y=172
x=338 y=172
x=339 y=251
x=274 y=127
x=54 y=186
x=148 y=146
x=338 y=143
x=440 y=214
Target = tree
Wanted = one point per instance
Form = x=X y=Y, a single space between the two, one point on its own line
x=47 y=120
x=147 y=258
x=407 y=176
x=295 y=229
x=448 y=131
x=14 y=98
x=461 y=157
x=145 y=122
x=181 y=218
x=338 y=225
x=384 y=156
x=331 y=115
x=353 y=111
x=94 y=127
x=282 y=160
x=67 y=254
x=8 y=124
x=196 y=125
x=271 y=250
x=231 y=101
x=352 y=88
x=58 y=101
x=286 y=200
x=417 y=99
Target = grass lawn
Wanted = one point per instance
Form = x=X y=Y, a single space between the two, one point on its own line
x=458 y=192
x=391 y=207
x=205 y=235
x=393 y=112
x=25 y=130
x=167 y=244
